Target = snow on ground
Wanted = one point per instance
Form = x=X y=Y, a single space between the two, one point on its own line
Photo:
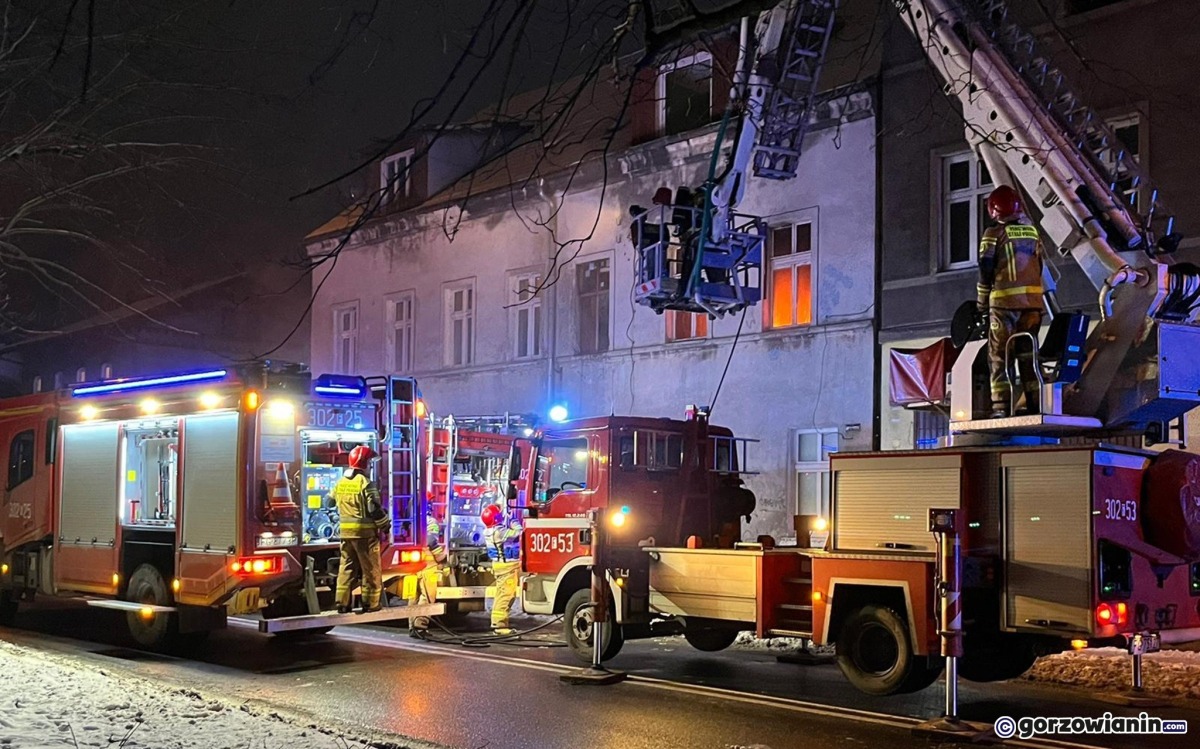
x=1170 y=673
x=54 y=700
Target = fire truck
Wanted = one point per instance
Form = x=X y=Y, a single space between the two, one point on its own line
x=172 y=498
x=1066 y=538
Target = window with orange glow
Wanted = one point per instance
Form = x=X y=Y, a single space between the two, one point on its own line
x=684 y=326
x=790 y=293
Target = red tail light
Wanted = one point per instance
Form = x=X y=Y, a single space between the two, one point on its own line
x=1112 y=614
x=261 y=565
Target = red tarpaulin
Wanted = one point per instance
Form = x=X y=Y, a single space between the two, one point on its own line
x=918 y=376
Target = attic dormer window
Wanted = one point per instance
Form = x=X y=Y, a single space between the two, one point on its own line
x=395 y=180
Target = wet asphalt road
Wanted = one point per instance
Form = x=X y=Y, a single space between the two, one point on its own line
x=506 y=696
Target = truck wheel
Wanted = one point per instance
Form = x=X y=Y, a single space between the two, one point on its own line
x=8 y=608
x=152 y=630
x=875 y=653
x=710 y=640
x=291 y=606
x=577 y=626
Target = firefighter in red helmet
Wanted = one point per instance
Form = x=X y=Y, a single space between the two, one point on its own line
x=1009 y=294
x=503 y=547
x=362 y=517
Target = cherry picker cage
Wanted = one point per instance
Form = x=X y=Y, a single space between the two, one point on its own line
x=694 y=252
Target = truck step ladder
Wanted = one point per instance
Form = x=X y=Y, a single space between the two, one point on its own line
x=442 y=451
x=400 y=458
x=788 y=107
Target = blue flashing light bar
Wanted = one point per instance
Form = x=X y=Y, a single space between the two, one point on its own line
x=144 y=383
x=342 y=386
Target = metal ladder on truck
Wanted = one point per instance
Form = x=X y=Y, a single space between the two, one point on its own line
x=442 y=450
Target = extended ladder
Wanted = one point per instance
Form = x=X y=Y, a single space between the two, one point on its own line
x=796 y=72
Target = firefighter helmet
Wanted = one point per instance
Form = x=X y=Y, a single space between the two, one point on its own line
x=492 y=515
x=361 y=457
x=1004 y=203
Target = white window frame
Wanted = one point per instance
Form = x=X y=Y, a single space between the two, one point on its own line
x=525 y=312
x=81 y=374
x=345 y=362
x=37 y=384
x=819 y=467
x=579 y=300
x=106 y=371
x=465 y=355
x=694 y=319
x=793 y=261
x=401 y=330
x=387 y=189
x=660 y=88
x=946 y=197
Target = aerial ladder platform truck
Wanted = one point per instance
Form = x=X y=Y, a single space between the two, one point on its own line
x=1065 y=538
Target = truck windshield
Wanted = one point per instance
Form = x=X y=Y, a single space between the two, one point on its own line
x=562 y=464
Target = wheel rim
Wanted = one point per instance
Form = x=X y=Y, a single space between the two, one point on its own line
x=876 y=650
x=581 y=624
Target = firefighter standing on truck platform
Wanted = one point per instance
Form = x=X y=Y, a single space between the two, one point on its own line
x=434 y=556
x=1009 y=295
x=503 y=547
x=362 y=517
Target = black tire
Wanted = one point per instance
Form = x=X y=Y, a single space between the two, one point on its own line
x=995 y=663
x=577 y=629
x=292 y=605
x=710 y=640
x=875 y=653
x=8 y=608
x=152 y=630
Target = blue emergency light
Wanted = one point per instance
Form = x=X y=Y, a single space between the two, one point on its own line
x=558 y=412
x=126 y=384
x=340 y=386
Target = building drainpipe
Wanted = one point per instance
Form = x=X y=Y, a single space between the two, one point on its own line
x=551 y=292
x=877 y=318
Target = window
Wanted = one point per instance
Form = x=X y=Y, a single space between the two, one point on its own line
x=395 y=180
x=460 y=323
x=526 y=316
x=561 y=464
x=400 y=308
x=37 y=384
x=652 y=450
x=58 y=381
x=928 y=428
x=790 y=295
x=345 y=337
x=106 y=371
x=592 y=287
x=685 y=94
x=813 y=447
x=20 y=459
x=1128 y=135
x=81 y=375
x=966 y=184
x=683 y=326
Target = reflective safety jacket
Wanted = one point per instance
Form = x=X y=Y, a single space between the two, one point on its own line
x=503 y=542
x=355 y=495
x=1010 y=267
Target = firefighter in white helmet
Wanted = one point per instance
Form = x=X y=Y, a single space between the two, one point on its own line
x=503 y=547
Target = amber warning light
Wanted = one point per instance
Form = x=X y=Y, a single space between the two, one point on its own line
x=263 y=565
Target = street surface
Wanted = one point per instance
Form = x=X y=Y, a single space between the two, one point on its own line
x=379 y=678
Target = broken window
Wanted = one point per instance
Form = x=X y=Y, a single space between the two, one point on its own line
x=592 y=285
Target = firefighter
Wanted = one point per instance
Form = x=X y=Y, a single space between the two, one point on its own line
x=1009 y=294
x=503 y=547
x=362 y=517
x=434 y=556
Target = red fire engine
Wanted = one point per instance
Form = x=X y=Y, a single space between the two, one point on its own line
x=171 y=497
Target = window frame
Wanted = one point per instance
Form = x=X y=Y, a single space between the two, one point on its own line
x=106 y=371
x=466 y=315
x=339 y=335
x=532 y=310
x=38 y=384
x=387 y=191
x=660 y=87
x=794 y=260
x=17 y=459
x=699 y=326
x=945 y=197
x=400 y=358
x=820 y=467
x=582 y=297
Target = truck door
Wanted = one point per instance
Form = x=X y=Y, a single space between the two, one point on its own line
x=22 y=501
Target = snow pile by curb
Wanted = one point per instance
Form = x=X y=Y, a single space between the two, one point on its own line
x=1170 y=673
x=54 y=700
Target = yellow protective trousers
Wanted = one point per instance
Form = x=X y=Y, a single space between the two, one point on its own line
x=508 y=575
x=360 y=562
